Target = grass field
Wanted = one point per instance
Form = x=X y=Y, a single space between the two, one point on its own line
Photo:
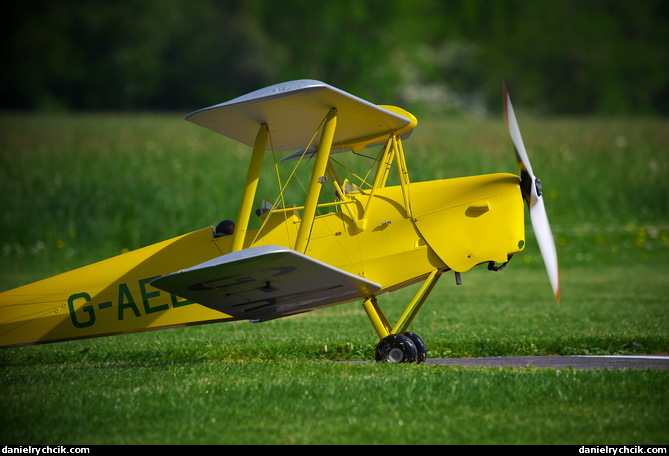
x=80 y=188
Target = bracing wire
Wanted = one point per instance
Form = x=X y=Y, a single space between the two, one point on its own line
x=283 y=185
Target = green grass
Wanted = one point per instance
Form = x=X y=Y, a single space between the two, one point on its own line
x=307 y=402
x=76 y=189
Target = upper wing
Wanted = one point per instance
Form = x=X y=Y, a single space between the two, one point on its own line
x=266 y=282
x=293 y=112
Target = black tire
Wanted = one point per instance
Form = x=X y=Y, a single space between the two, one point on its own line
x=420 y=346
x=396 y=348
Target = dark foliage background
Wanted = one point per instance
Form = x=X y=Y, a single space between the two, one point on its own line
x=560 y=57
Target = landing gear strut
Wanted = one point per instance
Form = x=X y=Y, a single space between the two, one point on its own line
x=397 y=345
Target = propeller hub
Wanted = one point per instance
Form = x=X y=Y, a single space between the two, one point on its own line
x=526 y=183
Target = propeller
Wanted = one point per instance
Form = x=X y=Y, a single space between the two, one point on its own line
x=532 y=193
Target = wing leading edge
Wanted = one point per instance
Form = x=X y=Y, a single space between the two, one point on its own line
x=294 y=110
x=265 y=282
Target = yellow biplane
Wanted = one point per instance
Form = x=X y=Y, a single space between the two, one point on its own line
x=376 y=238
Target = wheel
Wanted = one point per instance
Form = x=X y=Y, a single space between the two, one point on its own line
x=420 y=346
x=396 y=348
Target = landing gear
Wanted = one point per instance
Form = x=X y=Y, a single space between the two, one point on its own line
x=397 y=345
x=401 y=348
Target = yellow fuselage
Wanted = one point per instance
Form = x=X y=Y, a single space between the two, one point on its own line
x=452 y=224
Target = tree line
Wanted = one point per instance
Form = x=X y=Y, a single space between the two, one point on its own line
x=560 y=57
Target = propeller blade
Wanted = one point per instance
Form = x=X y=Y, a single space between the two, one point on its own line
x=544 y=235
x=532 y=192
x=514 y=131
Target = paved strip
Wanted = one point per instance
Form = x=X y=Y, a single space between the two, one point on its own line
x=560 y=362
